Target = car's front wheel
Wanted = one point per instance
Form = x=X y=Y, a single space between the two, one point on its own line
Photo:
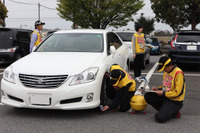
x=103 y=96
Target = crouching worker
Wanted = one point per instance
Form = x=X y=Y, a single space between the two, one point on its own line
x=120 y=90
x=168 y=98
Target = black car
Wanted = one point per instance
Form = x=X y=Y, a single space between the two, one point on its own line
x=185 y=47
x=14 y=44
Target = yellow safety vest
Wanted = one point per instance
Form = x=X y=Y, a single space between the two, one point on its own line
x=174 y=84
x=125 y=80
x=139 y=43
x=39 y=40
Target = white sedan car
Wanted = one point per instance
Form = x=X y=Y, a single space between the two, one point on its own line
x=65 y=72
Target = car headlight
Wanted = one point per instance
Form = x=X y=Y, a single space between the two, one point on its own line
x=86 y=76
x=9 y=75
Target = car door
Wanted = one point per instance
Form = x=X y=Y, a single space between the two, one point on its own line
x=121 y=50
x=23 y=38
x=111 y=58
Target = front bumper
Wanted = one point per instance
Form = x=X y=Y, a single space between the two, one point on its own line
x=181 y=56
x=6 y=57
x=64 y=97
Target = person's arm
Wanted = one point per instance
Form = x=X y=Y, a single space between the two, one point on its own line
x=34 y=38
x=179 y=86
x=133 y=45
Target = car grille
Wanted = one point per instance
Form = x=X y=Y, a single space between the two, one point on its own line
x=42 y=81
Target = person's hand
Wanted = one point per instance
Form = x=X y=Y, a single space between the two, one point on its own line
x=105 y=108
x=159 y=93
x=134 y=56
x=154 y=88
x=107 y=75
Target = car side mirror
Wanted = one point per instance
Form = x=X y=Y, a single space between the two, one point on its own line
x=112 y=49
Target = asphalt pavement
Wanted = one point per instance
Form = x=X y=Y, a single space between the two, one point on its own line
x=13 y=120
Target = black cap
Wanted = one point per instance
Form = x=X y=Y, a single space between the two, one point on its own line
x=163 y=61
x=39 y=23
x=138 y=26
x=114 y=76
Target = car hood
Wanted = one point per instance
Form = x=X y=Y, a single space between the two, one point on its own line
x=43 y=63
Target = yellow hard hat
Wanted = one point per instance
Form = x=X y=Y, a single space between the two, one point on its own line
x=138 y=103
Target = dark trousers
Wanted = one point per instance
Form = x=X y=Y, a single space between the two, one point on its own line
x=138 y=64
x=166 y=108
x=120 y=98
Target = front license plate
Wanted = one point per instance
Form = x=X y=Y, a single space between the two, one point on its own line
x=191 y=47
x=40 y=99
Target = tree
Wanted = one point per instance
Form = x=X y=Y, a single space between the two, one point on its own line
x=3 y=14
x=177 y=13
x=147 y=23
x=99 y=14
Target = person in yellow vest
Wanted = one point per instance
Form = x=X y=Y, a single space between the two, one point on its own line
x=36 y=36
x=138 y=47
x=121 y=89
x=168 y=98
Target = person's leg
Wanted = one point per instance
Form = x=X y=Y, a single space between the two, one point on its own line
x=141 y=63
x=136 y=66
x=110 y=91
x=125 y=106
x=154 y=100
x=168 y=109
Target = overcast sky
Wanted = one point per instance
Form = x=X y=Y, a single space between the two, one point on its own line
x=24 y=15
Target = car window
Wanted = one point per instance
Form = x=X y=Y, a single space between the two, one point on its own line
x=191 y=37
x=6 y=38
x=73 y=42
x=23 y=36
x=125 y=36
x=116 y=41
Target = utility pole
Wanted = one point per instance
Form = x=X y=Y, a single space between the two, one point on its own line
x=4 y=18
x=38 y=10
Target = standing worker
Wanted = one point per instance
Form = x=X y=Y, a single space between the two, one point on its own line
x=168 y=98
x=138 y=47
x=120 y=90
x=36 y=38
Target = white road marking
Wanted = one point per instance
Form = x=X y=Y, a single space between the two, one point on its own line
x=1 y=104
x=2 y=69
x=148 y=76
x=1 y=73
x=192 y=75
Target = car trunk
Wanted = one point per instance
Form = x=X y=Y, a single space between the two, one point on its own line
x=6 y=38
x=188 y=44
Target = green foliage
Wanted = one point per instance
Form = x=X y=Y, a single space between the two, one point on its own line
x=147 y=23
x=177 y=13
x=99 y=14
x=3 y=14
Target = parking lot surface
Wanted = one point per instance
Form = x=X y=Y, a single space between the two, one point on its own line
x=15 y=120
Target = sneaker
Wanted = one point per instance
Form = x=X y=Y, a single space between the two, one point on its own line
x=178 y=115
x=138 y=79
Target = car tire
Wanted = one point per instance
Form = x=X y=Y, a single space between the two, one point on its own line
x=148 y=60
x=103 y=96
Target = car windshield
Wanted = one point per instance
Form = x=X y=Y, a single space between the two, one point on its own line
x=125 y=36
x=193 y=37
x=73 y=42
x=6 y=38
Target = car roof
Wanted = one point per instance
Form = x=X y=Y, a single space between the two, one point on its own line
x=17 y=29
x=124 y=31
x=188 y=31
x=83 y=31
